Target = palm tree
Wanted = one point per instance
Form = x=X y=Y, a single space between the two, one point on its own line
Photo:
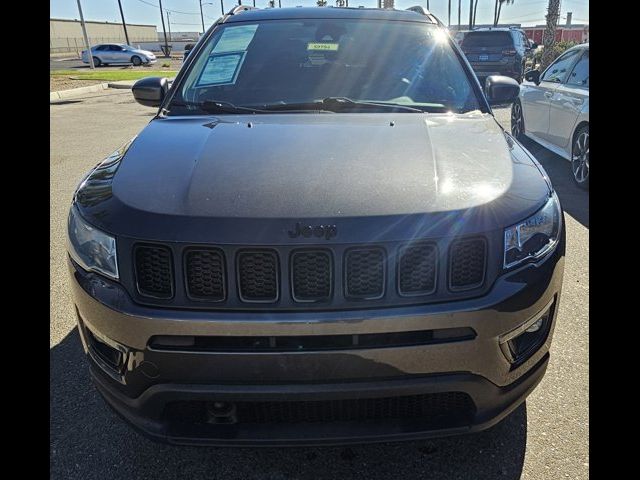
x=475 y=9
x=322 y=3
x=497 y=9
x=549 y=36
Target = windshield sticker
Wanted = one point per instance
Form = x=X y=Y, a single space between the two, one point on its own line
x=333 y=47
x=221 y=69
x=235 y=39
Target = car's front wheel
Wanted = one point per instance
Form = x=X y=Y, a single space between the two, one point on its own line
x=517 y=120
x=96 y=62
x=580 y=158
x=136 y=60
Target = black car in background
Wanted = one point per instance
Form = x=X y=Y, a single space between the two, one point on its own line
x=497 y=51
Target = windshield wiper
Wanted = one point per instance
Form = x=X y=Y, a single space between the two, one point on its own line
x=337 y=104
x=216 y=106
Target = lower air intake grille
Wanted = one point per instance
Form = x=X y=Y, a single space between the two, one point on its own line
x=311 y=275
x=258 y=276
x=438 y=410
x=205 y=274
x=467 y=263
x=365 y=269
x=154 y=271
x=417 y=269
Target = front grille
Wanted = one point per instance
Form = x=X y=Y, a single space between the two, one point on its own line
x=435 y=410
x=417 y=269
x=467 y=263
x=365 y=273
x=258 y=276
x=205 y=274
x=291 y=277
x=154 y=271
x=311 y=275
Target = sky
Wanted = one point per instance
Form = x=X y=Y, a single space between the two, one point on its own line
x=185 y=14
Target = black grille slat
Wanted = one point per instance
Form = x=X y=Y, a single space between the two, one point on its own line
x=467 y=263
x=154 y=271
x=205 y=274
x=365 y=273
x=311 y=275
x=437 y=410
x=417 y=269
x=258 y=276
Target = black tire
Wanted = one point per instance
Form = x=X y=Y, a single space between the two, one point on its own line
x=96 y=62
x=136 y=60
x=517 y=120
x=580 y=157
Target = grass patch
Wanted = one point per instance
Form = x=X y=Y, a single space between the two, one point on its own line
x=114 y=75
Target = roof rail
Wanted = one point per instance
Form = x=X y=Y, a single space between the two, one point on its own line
x=423 y=11
x=241 y=8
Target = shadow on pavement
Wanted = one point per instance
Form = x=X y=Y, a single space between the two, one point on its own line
x=89 y=441
x=574 y=200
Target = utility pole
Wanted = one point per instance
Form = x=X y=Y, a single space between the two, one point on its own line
x=124 y=25
x=164 y=31
x=279 y=4
x=169 y=24
x=459 y=13
x=202 y=16
x=222 y=6
x=470 y=13
x=449 y=21
x=86 y=37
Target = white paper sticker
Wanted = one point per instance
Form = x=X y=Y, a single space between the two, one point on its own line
x=221 y=69
x=235 y=39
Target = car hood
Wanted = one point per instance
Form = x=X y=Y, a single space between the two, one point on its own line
x=251 y=178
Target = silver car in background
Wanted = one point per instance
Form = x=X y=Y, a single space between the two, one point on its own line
x=553 y=110
x=107 y=53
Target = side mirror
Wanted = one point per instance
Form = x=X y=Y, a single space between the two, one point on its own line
x=501 y=90
x=533 y=76
x=150 y=91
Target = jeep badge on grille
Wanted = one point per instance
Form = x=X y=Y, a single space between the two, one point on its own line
x=326 y=231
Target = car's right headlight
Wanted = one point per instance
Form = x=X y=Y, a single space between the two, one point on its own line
x=91 y=248
x=535 y=236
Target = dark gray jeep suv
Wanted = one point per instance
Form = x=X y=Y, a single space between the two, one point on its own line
x=323 y=236
x=497 y=51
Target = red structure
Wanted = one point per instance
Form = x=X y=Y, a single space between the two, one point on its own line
x=564 y=33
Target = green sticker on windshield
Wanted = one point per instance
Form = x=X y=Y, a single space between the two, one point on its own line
x=332 y=47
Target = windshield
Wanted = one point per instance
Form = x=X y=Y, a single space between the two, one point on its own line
x=276 y=63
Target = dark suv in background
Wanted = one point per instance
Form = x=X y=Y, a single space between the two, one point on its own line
x=497 y=51
x=323 y=236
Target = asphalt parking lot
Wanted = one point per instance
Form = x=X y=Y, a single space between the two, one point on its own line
x=546 y=439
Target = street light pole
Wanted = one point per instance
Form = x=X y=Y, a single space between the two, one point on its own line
x=169 y=24
x=164 y=31
x=222 y=6
x=86 y=37
x=202 y=16
x=124 y=25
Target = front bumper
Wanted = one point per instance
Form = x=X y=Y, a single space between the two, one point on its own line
x=151 y=379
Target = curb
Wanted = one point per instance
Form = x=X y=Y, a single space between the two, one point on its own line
x=74 y=92
x=128 y=84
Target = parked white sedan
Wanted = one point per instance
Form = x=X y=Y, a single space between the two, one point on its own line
x=553 y=110
x=105 y=54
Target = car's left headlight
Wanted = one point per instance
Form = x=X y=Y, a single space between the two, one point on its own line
x=91 y=248
x=534 y=237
